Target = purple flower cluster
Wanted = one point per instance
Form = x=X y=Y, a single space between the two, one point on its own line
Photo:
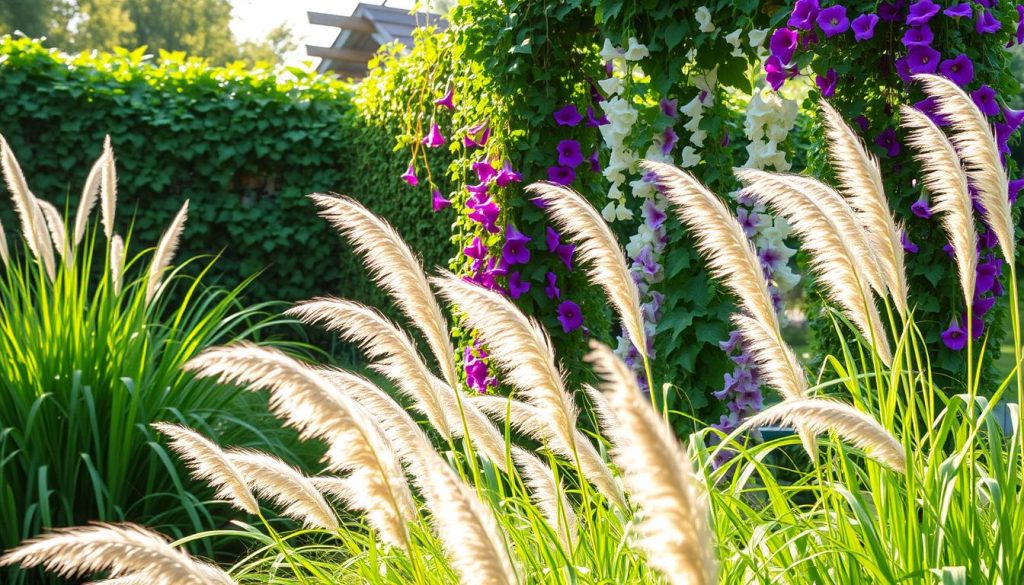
x=570 y=154
x=742 y=389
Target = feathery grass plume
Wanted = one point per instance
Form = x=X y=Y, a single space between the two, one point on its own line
x=209 y=463
x=4 y=253
x=673 y=520
x=284 y=485
x=832 y=255
x=861 y=182
x=108 y=189
x=394 y=268
x=945 y=178
x=850 y=424
x=120 y=549
x=33 y=226
x=524 y=418
x=88 y=198
x=381 y=340
x=465 y=419
x=519 y=346
x=467 y=527
x=116 y=263
x=55 y=224
x=549 y=496
x=599 y=249
x=133 y=579
x=164 y=253
x=336 y=487
x=308 y=402
x=976 y=144
x=733 y=261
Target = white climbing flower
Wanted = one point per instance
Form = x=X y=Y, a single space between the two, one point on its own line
x=690 y=158
x=704 y=19
x=636 y=51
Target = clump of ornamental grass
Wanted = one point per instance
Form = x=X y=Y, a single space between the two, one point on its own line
x=93 y=336
x=903 y=485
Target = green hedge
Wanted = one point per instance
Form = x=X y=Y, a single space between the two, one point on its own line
x=244 y=146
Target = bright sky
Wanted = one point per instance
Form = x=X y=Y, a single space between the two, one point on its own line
x=253 y=19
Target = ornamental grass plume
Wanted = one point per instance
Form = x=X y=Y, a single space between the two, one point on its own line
x=33 y=225
x=293 y=492
x=121 y=549
x=117 y=260
x=394 y=268
x=90 y=191
x=305 y=400
x=860 y=181
x=945 y=179
x=548 y=493
x=55 y=226
x=5 y=255
x=164 y=253
x=832 y=254
x=673 y=520
x=108 y=189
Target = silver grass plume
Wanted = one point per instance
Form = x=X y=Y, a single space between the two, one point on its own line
x=832 y=255
x=210 y=463
x=597 y=247
x=673 y=519
x=549 y=495
x=465 y=419
x=308 y=402
x=284 y=485
x=164 y=253
x=945 y=179
x=55 y=225
x=394 y=268
x=122 y=550
x=525 y=418
x=88 y=199
x=108 y=189
x=4 y=253
x=850 y=424
x=861 y=182
x=116 y=263
x=520 y=347
x=33 y=226
x=472 y=539
x=381 y=340
x=976 y=144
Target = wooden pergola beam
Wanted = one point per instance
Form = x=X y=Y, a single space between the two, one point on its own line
x=342 y=22
x=347 y=55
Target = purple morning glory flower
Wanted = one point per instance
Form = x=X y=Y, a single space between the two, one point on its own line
x=887 y=140
x=748 y=220
x=948 y=249
x=770 y=259
x=959 y=70
x=918 y=35
x=479 y=194
x=569 y=316
x=669 y=107
x=484 y=171
x=985 y=277
x=730 y=344
x=862 y=122
x=985 y=23
x=434 y=138
x=569 y=154
x=486 y=214
x=438 y=201
x=551 y=238
x=476 y=250
x=654 y=216
x=783 y=44
x=517 y=287
x=560 y=175
x=908 y=246
x=515 y=250
x=595 y=162
x=827 y=84
x=982 y=305
x=890 y=11
x=776 y=72
x=568 y=115
x=864 y=27
x=477 y=135
x=669 y=138
x=410 y=176
x=1003 y=133
x=985 y=98
x=921 y=12
x=1013 y=118
x=551 y=290
x=595 y=122
x=930 y=107
x=921 y=209
x=506 y=174
x=955 y=338
x=1020 y=24
x=987 y=239
x=804 y=13
x=447 y=100
x=923 y=59
x=959 y=11
x=565 y=252
x=833 y=21
x=903 y=70
x=1015 y=187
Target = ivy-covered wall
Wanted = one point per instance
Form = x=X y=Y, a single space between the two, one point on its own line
x=243 y=146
